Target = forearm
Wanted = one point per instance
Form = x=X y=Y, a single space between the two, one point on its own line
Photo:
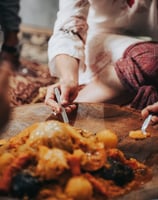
x=67 y=68
x=69 y=33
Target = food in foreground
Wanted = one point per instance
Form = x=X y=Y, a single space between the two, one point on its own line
x=53 y=160
x=138 y=134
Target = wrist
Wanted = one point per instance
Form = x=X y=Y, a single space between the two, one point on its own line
x=68 y=81
x=11 y=49
x=67 y=68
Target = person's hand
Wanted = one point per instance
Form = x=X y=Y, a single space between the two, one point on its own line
x=4 y=99
x=151 y=109
x=67 y=68
x=68 y=94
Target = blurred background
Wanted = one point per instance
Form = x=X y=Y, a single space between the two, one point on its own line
x=37 y=21
x=38 y=17
x=39 y=13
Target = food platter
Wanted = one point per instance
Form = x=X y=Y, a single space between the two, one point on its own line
x=96 y=117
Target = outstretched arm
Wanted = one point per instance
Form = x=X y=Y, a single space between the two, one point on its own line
x=66 y=50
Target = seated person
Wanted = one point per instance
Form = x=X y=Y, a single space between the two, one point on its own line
x=104 y=51
x=10 y=24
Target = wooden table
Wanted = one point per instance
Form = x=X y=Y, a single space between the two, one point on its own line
x=96 y=117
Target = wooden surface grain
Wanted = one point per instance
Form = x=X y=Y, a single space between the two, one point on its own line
x=96 y=117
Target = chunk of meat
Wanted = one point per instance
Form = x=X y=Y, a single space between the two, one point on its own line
x=51 y=163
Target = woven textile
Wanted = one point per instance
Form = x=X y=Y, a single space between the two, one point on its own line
x=138 y=71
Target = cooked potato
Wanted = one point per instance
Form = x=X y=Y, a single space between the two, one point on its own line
x=79 y=188
x=108 y=137
x=138 y=134
x=5 y=159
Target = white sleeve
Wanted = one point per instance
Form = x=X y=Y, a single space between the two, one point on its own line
x=70 y=32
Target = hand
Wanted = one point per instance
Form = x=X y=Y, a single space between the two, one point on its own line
x=151 y=109
x=69 y=91
x=67 y=68
x=68 y=94
x=4 y=99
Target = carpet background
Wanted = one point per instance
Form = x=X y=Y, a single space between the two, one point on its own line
x=29 y=85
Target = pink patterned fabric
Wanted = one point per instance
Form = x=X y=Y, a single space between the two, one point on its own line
x=130 y=2
x=138 y=71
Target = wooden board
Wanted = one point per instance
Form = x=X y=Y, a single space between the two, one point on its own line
x=96 y=117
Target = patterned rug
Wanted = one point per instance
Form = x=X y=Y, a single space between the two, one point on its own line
x=34 y=43
x=29 y=86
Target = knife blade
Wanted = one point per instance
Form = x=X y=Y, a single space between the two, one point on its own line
x=63 y=112
x=146 y=123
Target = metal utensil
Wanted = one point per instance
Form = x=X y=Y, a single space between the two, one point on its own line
x=145 y=124
x=63 y=112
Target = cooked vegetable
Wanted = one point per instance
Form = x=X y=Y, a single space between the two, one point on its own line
x=79 y=188
x=52 y=160
x=138 y=134
x=108 y=137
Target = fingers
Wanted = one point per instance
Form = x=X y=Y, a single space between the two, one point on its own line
x=70 y=108
x=68 y=94
x=154 y=120
x=145 y=112
x=154 y=108
x=65 y=95
x=50 y=99
x=151 y=109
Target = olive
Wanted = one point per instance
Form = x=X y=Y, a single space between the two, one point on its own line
x=23 y=184
x=120 y=173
